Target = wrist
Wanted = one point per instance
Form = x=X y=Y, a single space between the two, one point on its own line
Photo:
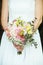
x=7 y=31
x=5 y=28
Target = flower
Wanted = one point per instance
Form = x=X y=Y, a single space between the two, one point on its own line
x=29 y=32
x=21 y=32
x=28 y=27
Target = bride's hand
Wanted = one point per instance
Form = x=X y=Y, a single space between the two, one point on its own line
x=18 y=47
x=7 y=31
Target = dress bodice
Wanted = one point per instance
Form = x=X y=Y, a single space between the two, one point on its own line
x=21 y=8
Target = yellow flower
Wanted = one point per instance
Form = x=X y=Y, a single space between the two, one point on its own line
x=19 y=20
x=29 y=32
x=17 y=23
x=28 y=27
x=21 y=32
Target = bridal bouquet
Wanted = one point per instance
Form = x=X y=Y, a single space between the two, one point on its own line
x=21 y=32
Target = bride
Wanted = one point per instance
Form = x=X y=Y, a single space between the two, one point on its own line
x=27 y=10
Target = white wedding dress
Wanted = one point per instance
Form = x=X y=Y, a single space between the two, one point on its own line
x=30 y=55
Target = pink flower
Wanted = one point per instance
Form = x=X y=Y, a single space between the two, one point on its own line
x=17 y=30
x=18 y=36
x=22 y=38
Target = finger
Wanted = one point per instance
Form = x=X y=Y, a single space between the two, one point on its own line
x=8 y=33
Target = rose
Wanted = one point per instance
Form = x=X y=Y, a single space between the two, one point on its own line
x=19 y=34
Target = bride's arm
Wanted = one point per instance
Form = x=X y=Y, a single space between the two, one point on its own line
x=38 y=14
x=4 y=17
x=4 y=13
